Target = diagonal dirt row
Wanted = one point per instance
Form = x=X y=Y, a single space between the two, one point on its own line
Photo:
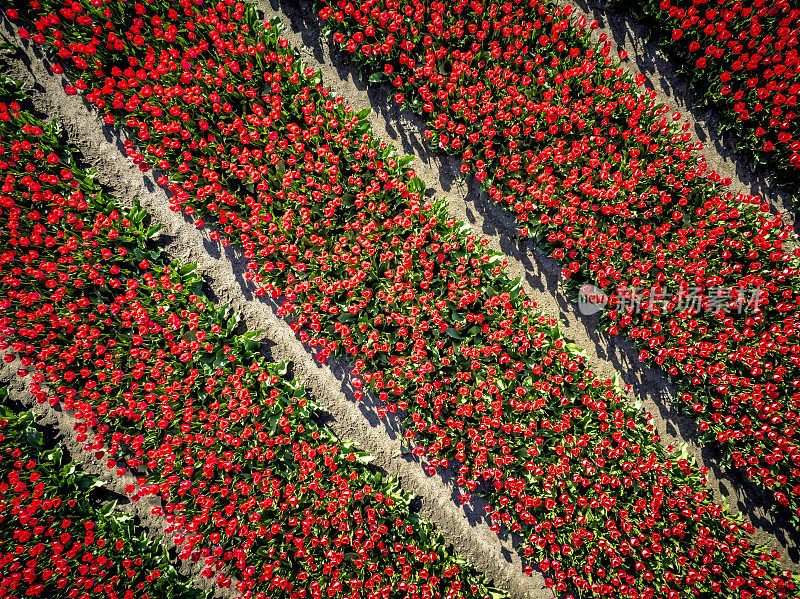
x=541 y=275
x=645 y=57
x=223 y=269
x=19 y=391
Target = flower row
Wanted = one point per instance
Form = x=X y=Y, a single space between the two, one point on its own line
x=704 y=282
x=250 y=485
x=55 y=541
x=335 y=226
x=741 y=57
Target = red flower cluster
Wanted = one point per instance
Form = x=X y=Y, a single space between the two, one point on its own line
x=741 y=57
x=54 y=542
x=228 y=442
x=335 y=226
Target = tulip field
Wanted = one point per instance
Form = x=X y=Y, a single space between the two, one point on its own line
x=227 y=441
x=337 y=232
x=742 y=58
x=592 y=166
x=55 y=540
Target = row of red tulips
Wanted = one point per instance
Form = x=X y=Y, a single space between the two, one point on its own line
x=250 y=485
x=705 y=283
x=740 y=57
x=335 y=225
x=55 y=541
